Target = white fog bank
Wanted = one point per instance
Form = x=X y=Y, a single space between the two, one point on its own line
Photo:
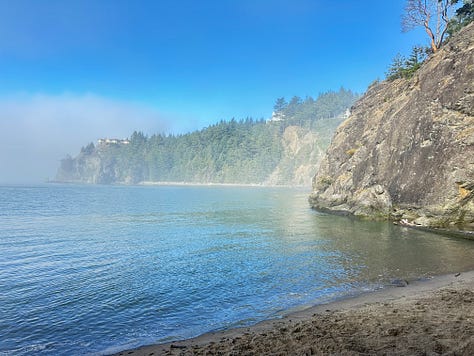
x=39 y=130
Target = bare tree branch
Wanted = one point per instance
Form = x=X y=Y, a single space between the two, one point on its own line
x=423 y=13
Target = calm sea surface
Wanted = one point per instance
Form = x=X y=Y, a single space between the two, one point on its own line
x=97 y=269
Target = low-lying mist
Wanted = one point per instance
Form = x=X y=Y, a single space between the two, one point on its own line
x=39 y=130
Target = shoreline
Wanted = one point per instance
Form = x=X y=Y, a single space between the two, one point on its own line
x=184 y=184
x=425 y=316
x=192 y=184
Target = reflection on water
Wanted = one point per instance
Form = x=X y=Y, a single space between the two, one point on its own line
x=97 y=269
x=383 y=250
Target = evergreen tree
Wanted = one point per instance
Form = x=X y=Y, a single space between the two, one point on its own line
x=280 y=105
x=397 y=68
x=406 y=68
x=464 y=16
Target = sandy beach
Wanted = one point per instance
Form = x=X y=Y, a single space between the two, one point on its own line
x=433 y=317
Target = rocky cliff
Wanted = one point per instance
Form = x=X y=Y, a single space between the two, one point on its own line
x=407 y=150
x=302 y=153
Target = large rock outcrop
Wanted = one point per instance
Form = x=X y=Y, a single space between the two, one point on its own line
x=407 y=150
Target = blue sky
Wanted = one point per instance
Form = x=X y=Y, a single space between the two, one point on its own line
x=72 y=71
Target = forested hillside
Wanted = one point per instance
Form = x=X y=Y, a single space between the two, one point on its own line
x=283 y=150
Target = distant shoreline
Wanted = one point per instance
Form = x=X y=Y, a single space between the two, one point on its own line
x=408 y=320
x=186 y=184
x=190 y=184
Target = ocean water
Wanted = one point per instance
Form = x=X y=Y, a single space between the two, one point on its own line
x=98 y=269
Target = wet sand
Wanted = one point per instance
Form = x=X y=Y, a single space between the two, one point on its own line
x=432 y=317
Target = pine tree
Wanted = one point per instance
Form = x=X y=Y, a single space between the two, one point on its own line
x=397 y=68
x=280 y=105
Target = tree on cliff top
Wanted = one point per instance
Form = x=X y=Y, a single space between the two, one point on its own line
x=433 y=15
x=280 y=105
x=402 y=67
x=464 y=16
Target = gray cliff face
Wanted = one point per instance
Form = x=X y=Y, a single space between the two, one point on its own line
x=407 y=150
x=90 y=168
x=303 y=151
